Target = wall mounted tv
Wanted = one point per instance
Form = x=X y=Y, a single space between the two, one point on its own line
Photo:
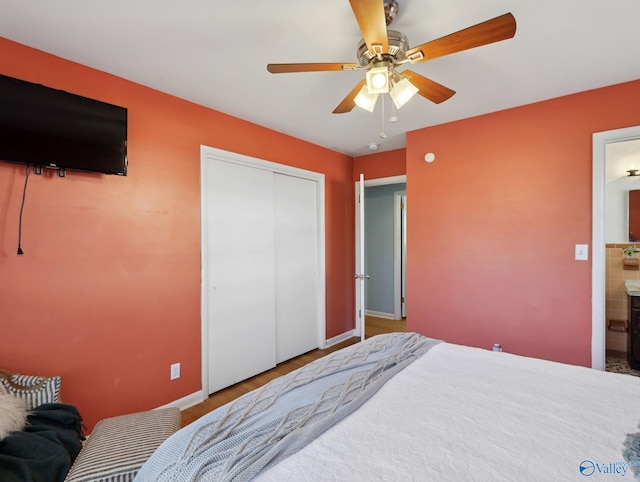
x=46 y=127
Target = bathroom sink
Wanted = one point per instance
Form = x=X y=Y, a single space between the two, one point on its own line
x=632 y=287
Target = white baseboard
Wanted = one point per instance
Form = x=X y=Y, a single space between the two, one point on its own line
x=380 y=314
x=188 y=401
x=198 y=397
x=340 y=338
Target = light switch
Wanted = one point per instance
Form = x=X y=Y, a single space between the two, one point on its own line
x=582 y=252
x=175 y=371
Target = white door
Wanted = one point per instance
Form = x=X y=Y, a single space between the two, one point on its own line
x=360 y=267
x=241 y=272
x=297 y=270
x=403 y=258
x=400 y=254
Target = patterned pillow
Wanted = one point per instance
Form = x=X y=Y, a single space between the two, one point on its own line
x=33 y=390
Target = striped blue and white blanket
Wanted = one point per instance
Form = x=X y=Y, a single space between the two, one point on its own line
x=249 y=435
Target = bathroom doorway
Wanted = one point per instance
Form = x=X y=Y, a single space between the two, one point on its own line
x=622 y=161
x=614 y=153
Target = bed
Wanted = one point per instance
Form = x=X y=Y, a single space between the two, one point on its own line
x=405 y=407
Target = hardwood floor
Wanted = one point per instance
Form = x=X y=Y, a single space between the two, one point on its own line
x=373 y=326
x=376 y=326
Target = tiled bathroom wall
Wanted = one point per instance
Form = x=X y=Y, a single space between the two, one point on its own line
x=616 y=298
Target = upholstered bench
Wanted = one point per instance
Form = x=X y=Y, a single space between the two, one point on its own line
x=119 y=446
x=116 y=449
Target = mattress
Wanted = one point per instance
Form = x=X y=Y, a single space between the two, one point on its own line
x=432 y=412
x=461 y=413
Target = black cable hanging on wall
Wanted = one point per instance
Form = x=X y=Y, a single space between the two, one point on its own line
x=24 y=193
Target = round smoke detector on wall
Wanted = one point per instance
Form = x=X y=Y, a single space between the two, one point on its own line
x=429 y=157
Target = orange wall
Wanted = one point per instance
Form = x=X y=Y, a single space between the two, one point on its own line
x=380 y=164
x=491 y=250
x=108 y=291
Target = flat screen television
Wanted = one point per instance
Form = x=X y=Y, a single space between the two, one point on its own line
x=52 y=128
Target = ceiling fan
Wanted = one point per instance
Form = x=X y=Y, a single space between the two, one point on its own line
x=381 y=51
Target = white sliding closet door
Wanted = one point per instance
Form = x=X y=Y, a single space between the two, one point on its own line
x=263 y=265
x=296 y=257
x=240 y=271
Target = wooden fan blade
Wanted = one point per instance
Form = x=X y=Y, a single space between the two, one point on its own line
x=286 y=68
x=428 y=88
x=349 y=102
x=372 y=23
x=494 y=30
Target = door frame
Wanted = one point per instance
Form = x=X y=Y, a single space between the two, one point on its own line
x=208 y=154
x=382 y=181
x=598 y=267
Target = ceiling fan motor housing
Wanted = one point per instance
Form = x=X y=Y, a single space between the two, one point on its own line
x=398 y=45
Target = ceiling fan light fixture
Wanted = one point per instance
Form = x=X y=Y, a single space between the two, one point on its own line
x=365 y=99
x=402 y=91
x=378 y=80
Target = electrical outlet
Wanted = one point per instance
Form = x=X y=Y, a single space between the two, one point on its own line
x=175 y=371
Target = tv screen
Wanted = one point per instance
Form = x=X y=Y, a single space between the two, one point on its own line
x=46 y=127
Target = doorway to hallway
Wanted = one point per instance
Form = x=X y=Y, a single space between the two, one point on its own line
x=361 y=253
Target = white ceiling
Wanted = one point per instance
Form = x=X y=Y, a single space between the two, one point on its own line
x=215 y=52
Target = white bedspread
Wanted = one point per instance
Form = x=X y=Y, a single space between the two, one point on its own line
x=466 y=414
x=243 y=438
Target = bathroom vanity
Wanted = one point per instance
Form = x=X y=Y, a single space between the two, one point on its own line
x=633 y=336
